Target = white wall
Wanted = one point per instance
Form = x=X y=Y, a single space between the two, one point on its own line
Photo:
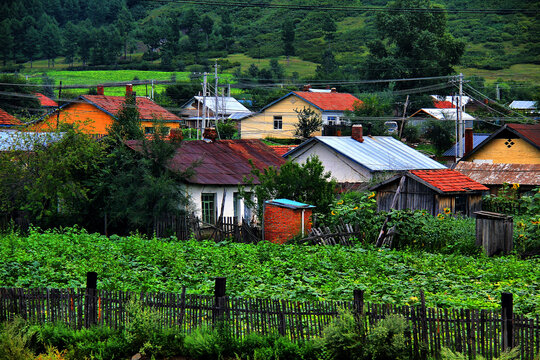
x=195 y=192
x=342 y=169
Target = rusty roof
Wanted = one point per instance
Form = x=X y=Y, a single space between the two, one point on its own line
x=223 y=162
x=528 y=131
x=282 y=149
x=148 y=109
x=498 y=174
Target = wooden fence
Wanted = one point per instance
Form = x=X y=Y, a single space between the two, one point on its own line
x=470 y=331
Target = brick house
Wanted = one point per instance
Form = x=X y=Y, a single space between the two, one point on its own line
x=284 y=219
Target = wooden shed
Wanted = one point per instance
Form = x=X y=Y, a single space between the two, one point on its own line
x=432 y=190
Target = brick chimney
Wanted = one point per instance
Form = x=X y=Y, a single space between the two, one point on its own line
x=468 y=140
x=129 y=90
x=307 y=87
x=100 y=90
x=333 y=90
x=357 y=133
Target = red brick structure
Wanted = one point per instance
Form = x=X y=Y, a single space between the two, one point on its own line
x=284 y=219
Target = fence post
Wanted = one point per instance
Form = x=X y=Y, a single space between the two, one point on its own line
x=90 y=308
x=423 y=321
x=219 y=299
x=507 y=321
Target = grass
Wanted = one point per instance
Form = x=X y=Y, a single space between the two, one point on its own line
x=517 y=72
x=304 y=68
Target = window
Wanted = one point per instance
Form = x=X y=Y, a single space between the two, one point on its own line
x=278 y=123
x=236 y=205
x=208 y=204
x=148 y=130
x=331 y=120
x=461 y=204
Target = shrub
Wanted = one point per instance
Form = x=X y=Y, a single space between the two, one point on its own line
x=203 y=343
x=387 y=340
x=15 y=339
x=342 y=338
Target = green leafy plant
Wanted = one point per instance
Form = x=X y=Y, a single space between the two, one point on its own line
x=388 y=339
x=342 y=338
x=15 y=339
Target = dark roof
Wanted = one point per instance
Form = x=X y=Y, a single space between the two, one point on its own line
x=8 y=119
x=498 y=174
x=224 y=162
x=527 y=132
x=45 y=101
x=477 y=140
x=148 y=109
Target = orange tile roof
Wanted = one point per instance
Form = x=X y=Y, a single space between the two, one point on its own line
x=8 y=119
x=282 y=149
x=147 y=108
x=329 y=101
x=448 y=180
x=45 y=101
x=443 y=104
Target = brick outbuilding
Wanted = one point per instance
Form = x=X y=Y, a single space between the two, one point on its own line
x=284 y=219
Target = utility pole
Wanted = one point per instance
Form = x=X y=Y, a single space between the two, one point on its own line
x=216 y=93
x=497 y=93
x=403 y=118
x=460 y=115
x=204 y=103
x=152 y=89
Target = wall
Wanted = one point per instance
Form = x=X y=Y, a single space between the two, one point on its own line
x=261 y=125
x=342 y=169
x=90 y=119
x=282 y=224
x=497 y=151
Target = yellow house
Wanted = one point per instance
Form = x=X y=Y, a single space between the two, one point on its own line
x=277 y=119
x=511 y=144
x=94 y=114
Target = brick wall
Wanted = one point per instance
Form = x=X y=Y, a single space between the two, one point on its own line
x=282 y=224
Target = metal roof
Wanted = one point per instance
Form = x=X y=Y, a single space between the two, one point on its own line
x=444 y=114
x=376 y=153
x=497 y=174
x=223 y=162
x=225 y=105
x=25 y=141
x=523 y=105
x=291 y=204
x=477 y=139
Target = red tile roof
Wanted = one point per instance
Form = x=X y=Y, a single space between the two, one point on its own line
x=282 y=149
x=8 y=119
x=224 y=162
x=531 y=132
x=148 y=109
x=443 y=104
x=45 y=101
x=329 y=101
x=448 y=180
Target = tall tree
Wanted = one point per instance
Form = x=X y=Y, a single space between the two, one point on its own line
x=70 y=42
x=6 y=40
x=309 y=121
x=125 y=25
x=51 y=42
x=15 y=104
x=207 y=26
x=287 y=35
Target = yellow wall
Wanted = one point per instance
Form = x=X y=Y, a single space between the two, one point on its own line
x=90 y=120
x=520 y=153
x=262 y=125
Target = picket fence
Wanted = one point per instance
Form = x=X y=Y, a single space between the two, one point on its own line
x=470 y=331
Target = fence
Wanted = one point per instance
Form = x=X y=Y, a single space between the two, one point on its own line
x=484 y=332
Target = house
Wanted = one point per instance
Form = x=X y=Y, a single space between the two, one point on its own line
x=432 y=190
x=511 y=144
x=8 y=121
x=46 y=102
x=448 y=114
x=221 y=167
x=94 y=114
x=358 y=159
x=494 y=176
x=225 y=107
x=469 y=142
x=284 y=219
x=525 y=107
x=278 y=118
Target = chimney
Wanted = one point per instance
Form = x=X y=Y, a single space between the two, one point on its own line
x=210 y=135
x=333 y=90
x=468 y=140
x=357 y=133
x=129 y=90
x=100 y=90
x=307 y=87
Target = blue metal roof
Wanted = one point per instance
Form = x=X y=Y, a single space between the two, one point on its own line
x=289 y=204
x=477 y=139
x=26 y=141
x=376 y=153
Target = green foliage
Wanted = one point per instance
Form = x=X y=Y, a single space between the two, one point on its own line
x=15 y=339
x=60 y=259
x=342 y=338
x=508 y=201
x=440 y=134
x=127 y=124
x=227 y=129
x=309 y=121
x=373 y=106
x=447 y=354
x=306 y=183
x=387 y=340
x=11 y=87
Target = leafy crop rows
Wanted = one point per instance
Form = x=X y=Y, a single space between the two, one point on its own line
x=60 y=260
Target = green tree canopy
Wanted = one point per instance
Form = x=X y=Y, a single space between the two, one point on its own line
x=309 y=121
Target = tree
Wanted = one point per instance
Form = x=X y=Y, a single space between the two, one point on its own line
x=329 y=27
x=70 y=42
x=180 y=93
x=51 y=42
x=412 y=44
x=31 y=44
x=124 y=24
x=328 y=68
x=309 y=121
x=15 y=104
x=6 y=40
x=307 y=183
x=127 y=123
x=440 y=133
x=207 y=26
x=287 y=35
x=278 y=73
x=370 y=111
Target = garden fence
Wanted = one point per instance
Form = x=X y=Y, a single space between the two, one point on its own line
x=470 y=331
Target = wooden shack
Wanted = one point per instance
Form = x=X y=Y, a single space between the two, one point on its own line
x=494 y=232
x=432 y=190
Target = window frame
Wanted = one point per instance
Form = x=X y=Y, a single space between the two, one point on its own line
x=278 y=122
x=208 y=208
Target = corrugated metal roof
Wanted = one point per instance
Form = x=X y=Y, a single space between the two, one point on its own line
x=528 y=131
x=497 y=174
x=239 y=115
x=225 y=105
x=377 y=153
x=447 y=180
x=25 y=141
x=444 y=114
x=291 y=204
x=224 y=162
x=477 y=139
x=523 y=105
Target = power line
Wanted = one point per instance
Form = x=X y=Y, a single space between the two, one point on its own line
x=233 y=4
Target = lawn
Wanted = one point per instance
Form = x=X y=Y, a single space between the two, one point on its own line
x=303 y=68
x=518 y=72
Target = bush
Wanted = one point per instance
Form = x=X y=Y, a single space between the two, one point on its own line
x=387 y=340
x=342 y=338
x=15 y=340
